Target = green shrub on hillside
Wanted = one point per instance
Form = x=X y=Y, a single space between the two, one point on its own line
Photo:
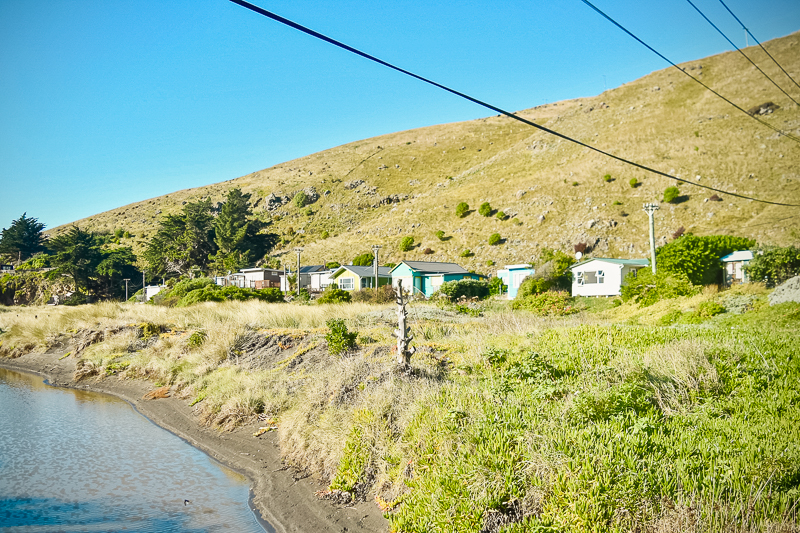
x=338 y=338
x=365 y=259
x=671 y=194
x=462 y=209
x=465 y=287
x=324 y=234
x=774 y=265
x=466 y=253
x=485 y=209
x=407 y=243
x=330 y=265
x=645 y=288
x=495 y=239
x=440 y=235
x=36 y=262
x=634 y=183
x=501 y=216
x=607 y=178
x=709 y=309
x=300 y=200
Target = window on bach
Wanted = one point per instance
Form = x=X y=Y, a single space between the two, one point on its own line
x=600 y=276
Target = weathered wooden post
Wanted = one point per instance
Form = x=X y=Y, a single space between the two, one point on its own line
x=404 y=351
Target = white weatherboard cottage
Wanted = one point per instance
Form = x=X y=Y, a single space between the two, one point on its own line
x=600 y=276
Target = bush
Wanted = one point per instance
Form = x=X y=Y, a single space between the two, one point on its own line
x=555 y=267
x=671 y=194
x=489 y=263
x=309 y=211
x=774 y=265
x=497 y=287
x=709 y=309
x=466 y=253
x=300 y=200
x=462 y=209
x=384 y=294
x=533 y=285
x=556 y=303
x=215 y=293
x=324 y=234
x=465 y=287
x=634 y=183
x=407 y=243
x=495 y=239
x=645 y=288
x=36 y=262
x=607 y=178
x=338 y=338
x=365 y=259
x=698 y=257
x=440 y=235
x=485 y=209
x=330 y=265
x=501 y=216
x=334 y=295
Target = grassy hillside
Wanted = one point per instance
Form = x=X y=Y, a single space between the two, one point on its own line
x=553 y=191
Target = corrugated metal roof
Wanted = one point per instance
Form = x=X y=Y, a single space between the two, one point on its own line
x=307 y=269
x=739 y=255
x=629 y=262
x=430 y=267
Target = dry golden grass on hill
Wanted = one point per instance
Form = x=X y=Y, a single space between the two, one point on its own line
x=663 y=120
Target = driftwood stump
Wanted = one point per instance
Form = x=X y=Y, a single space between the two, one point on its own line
x=403 y=331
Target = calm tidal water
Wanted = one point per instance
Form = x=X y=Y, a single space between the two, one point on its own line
x=78 y=461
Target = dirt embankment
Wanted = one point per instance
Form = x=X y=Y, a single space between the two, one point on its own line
x=285 y=499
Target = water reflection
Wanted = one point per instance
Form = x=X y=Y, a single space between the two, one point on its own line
x=77 y=461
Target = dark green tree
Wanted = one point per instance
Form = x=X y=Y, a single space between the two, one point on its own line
x=485 y=209
x=183 y=241
x=77 y=255
x=238 y=235
x=23 y=239
x=116 y=265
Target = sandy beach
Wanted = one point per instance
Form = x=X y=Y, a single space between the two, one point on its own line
x=285 y=499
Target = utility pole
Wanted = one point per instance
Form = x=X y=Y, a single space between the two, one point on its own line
x=650 y=209
x=299 y=251
x=375 y=248
x=126 y=288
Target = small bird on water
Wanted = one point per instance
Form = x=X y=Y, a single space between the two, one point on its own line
x=186 y=502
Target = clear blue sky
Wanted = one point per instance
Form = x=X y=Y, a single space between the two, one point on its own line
x=104 y=103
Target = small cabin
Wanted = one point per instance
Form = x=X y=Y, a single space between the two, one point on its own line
x=734 y=267
x=513 y=275
x=425 y=277
x=601 y=276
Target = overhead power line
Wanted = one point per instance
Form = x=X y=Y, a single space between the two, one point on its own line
x=759 y=44
x=662 y=56
x=365 y=55
x=741 y=52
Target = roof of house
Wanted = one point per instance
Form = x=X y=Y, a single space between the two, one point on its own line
x=307 y=269
x=523 y=266
x=739 y=255
x=363 y=271
x=430 y=267
x=624 y=262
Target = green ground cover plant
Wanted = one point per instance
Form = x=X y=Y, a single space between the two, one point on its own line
x=594 y=421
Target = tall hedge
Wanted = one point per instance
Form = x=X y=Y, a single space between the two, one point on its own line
x=699 y=257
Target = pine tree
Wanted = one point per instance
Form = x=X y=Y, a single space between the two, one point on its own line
x=23 y=239
x=183 y=241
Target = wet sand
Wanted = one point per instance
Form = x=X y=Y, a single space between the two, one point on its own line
x=285 y=501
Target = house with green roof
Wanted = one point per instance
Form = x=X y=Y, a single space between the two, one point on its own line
x=601 y=276
x=425 y=277
x=353 y=278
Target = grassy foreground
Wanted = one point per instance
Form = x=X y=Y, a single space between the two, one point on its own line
x=614 y=419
